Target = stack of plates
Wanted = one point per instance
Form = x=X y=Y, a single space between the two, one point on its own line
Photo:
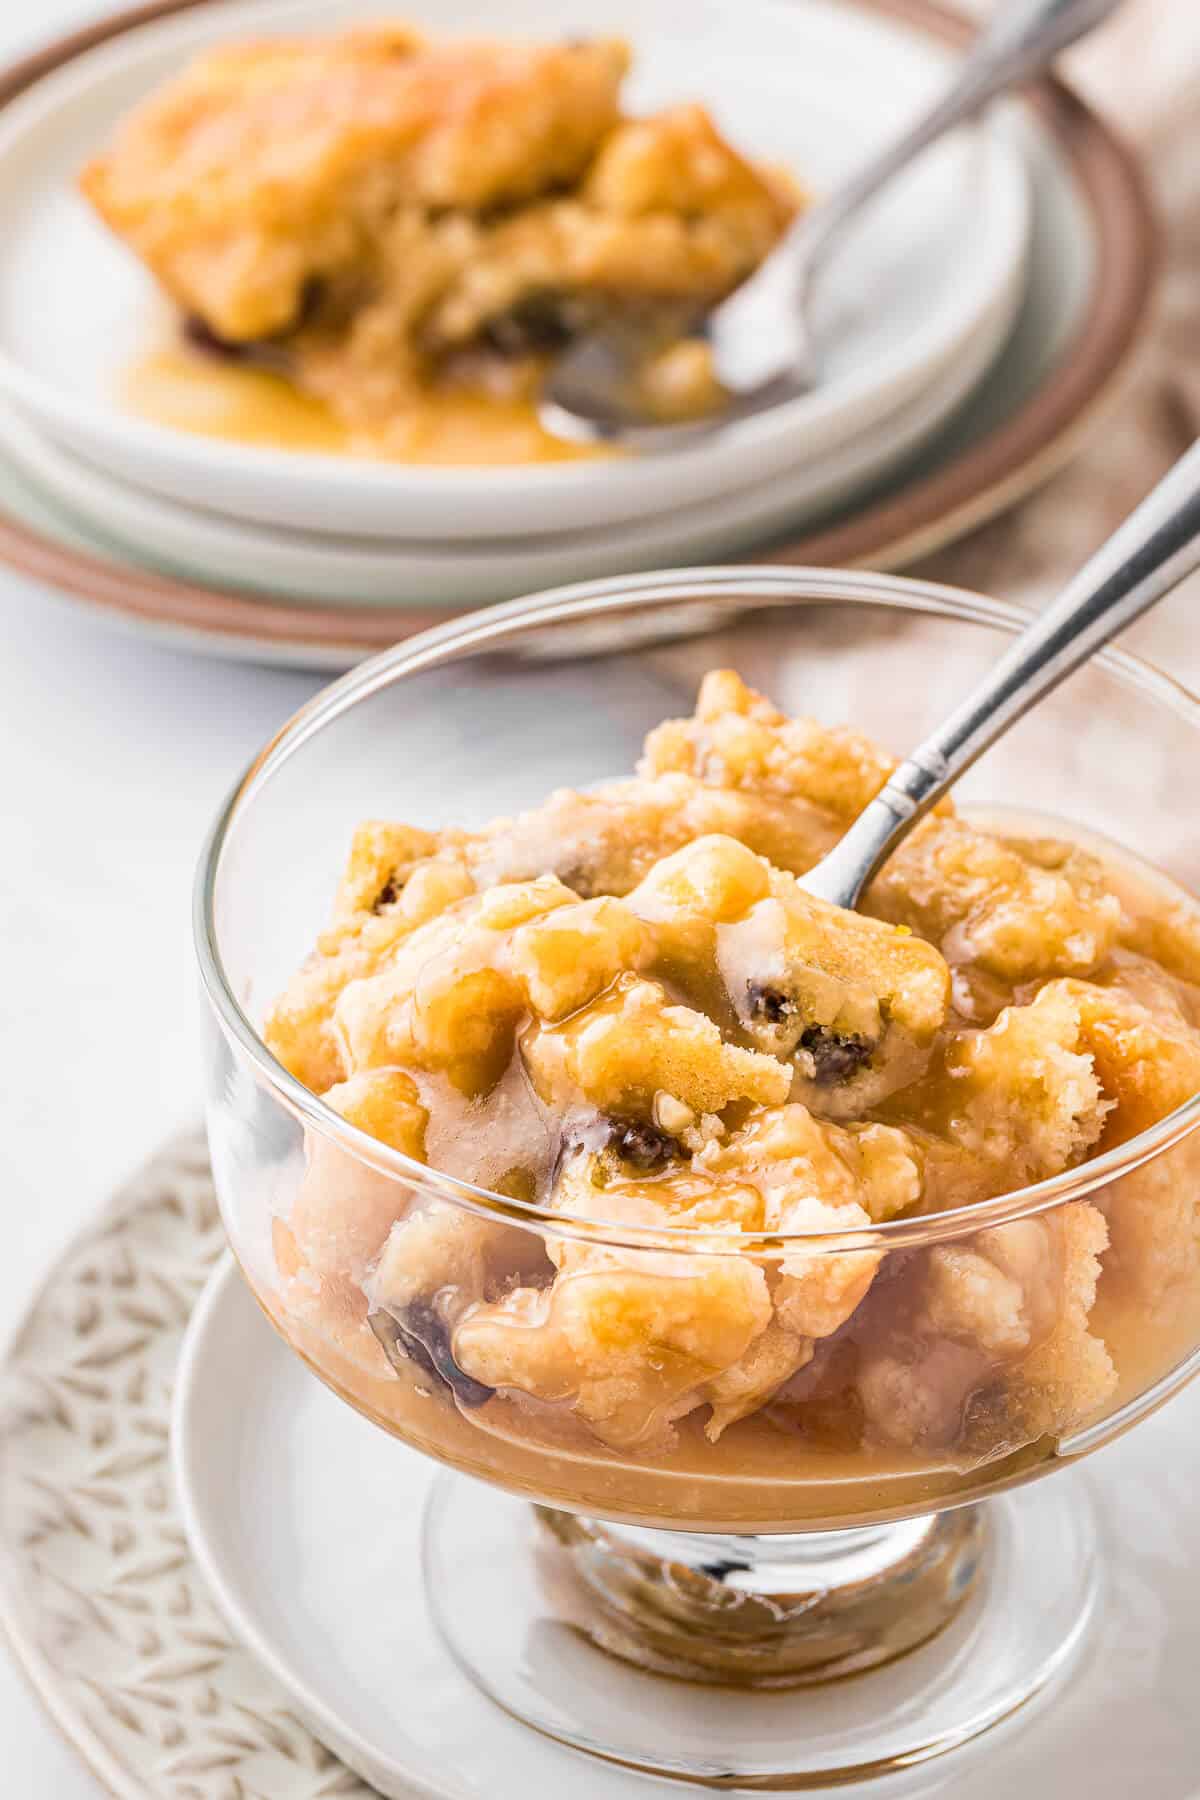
x=969 y=323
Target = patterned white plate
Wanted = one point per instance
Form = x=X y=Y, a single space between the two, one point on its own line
x=98 y=1593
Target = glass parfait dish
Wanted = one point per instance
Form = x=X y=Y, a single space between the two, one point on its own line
x=677 y=1588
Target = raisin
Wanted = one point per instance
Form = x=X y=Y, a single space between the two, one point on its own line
x=201 y=336
x=388 y=895
x=645 y=1146
x=836 y=1055
x=258 y=353
x=313 y=295
x=251 y=353
x=635 y=1141
x=768 y=1003
x=539 y=320
x=420 y=1334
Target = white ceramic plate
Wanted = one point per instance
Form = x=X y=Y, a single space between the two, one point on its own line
x=312 y=566
x=305 y=1521
x=813 y=83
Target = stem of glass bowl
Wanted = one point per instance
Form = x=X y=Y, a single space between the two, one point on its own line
x=760 y=1612
x=565 y=1622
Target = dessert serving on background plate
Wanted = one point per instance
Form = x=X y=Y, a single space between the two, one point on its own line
x=621 y=1008
x=381 y=242
x=389 y=235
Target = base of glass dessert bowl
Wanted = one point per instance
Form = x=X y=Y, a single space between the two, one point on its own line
x=715 y=1660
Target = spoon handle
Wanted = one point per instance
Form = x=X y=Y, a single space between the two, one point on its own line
x=1156 y=547
x=1021 y=39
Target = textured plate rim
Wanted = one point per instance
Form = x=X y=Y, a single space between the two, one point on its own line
x=28 y=1656
x=226 y=1280
x=1006 y=463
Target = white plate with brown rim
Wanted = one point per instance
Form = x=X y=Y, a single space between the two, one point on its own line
x=810 y=84
x=1094 y=256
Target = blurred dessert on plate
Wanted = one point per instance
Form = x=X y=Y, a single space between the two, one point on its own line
x=400 y=232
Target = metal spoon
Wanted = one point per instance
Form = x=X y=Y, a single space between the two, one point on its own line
x=762 y=347
x=1156 y=547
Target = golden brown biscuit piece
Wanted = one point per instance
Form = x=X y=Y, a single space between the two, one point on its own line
x=1069 y=1373
x=448 y=999
x=602 y=1336
x=625 y=1049
x=344 y=1210
x=1148 y=1065
x=269 y=164
x=737 y=739
x=775 y=1357
x=383 y=856
x=299 y=1028
x=607 y=840
x=851 y=1004
x=794 y=1158
x=565 y=958
x=997 y=904
x=1024 y=1095
x=668 y=213
x=1020 y=910
x=437 y=1262
x=628 y=1347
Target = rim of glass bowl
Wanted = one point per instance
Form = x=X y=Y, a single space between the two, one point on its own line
x=491 y=626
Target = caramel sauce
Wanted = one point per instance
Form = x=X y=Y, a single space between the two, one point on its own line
x=763 y=1475
x=454 y=426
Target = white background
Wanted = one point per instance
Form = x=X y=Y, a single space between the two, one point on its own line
x=114 y=755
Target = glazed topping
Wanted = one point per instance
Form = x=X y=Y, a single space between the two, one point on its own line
x=624 y=1006
x=716 y=982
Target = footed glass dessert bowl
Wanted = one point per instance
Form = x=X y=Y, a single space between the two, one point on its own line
x=749 y=1253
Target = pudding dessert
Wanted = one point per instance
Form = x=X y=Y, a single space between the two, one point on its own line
x=388 y=224
x=738 y=1262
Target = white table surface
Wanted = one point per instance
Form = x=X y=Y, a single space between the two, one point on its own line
x=115 y=754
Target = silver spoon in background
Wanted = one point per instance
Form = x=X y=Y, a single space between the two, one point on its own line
x=1156 y=547
x=762 y=348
